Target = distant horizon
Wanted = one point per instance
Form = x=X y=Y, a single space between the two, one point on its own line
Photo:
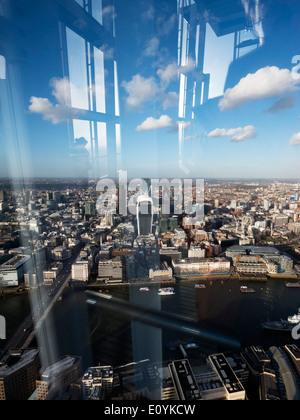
x=92 y=180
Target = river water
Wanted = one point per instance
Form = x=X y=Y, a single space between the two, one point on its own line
x=100 y=335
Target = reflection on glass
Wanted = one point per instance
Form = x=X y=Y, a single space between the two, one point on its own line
x=2 y=67
x=217 y=59
x=82 y=130
x=99 y=81
x=117 y=101
x=77 y=70
x=102 y=139
x=97 y=10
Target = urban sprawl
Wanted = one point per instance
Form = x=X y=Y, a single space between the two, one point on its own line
x=52 y=237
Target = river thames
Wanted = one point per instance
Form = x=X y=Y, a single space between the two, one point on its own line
x=101 y=335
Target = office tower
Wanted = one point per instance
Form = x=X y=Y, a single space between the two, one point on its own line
x=266 y=205
x=19 y=370
x=56 y=196
x=144 y=215
x=49 y=196
x=26 y=197
x=109 y=220
x=3 y=195
x=233 y=204
x=90 y=208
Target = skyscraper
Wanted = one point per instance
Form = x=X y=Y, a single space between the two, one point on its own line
x=266 y=205
x=144 y=215
x=90 y=208
x=3 y=195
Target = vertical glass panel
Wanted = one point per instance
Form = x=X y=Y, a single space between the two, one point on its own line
x=197 y=44
x=218 y=57
x=118 y=138
x=102 y=139
x=185 y=41
x=77 y=70
x=117 y=101
x=82 y=131
x=99 y=81
x=2 y=67
x=97 y=10
x=182 y=96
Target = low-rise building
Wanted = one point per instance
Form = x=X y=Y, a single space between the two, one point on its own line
x=97 y=383
x=12 y=271
x=165 y=273
x=51 y=275
x=110 y=271
x=233 y=387
x=194 y=267
x=61 y=253
x=81 y=270
x=196 y=252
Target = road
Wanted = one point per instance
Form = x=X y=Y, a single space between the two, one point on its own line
x=43 y=302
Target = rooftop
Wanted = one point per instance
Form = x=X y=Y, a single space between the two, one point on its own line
x=59 y=367
x=14 y=361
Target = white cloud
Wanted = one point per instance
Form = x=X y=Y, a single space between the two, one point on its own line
x=140 y=90
x=266 y=83
x=152 y=47
x=171 y=72
x=197 y=136
x=165 y=26
x=169 y=100
x=295 y=140
x=181 y=125
x=154 y=124
x=56 y=113
x=163 y=122
x=108 y=52
x=148 y=14
x=109 y=12
x=236 y=134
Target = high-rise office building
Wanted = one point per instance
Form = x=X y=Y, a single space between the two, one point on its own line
x=57 y=377
x=266 y=205
x=3 y=195
x=90 y=208
x=19 y=370
x=144 y=215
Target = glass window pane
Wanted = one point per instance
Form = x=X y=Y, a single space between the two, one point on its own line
x=2 y=67
x=77 y=60
x=117 y=101
x=97 y=10
x=99 y=80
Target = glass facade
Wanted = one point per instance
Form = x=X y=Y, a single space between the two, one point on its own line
x=139 y=144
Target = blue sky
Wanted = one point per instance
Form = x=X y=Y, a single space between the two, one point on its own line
x=248 y=128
